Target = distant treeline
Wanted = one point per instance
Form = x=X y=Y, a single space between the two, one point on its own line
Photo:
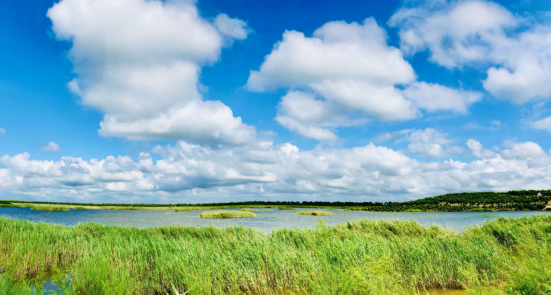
x=511 y=200
x=519 y=200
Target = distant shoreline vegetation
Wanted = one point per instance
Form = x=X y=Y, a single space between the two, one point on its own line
x=520 y=200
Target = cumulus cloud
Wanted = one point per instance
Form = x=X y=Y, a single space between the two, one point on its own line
x=275 y=171
x=302 y=112
x=542 y=124
x=139 y=61
x=515 y=50
x=353 y=70
x=435 y=97
x=50 y=147
x=523 y=150
x=478 y=151
x=231 y=27
x=431 y=143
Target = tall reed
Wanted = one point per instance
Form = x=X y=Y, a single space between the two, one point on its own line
x=360 y=257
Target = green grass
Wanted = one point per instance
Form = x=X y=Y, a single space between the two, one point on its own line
x=256 y=210
x=80 y=209
x=505 y=255
x=226 y=214
x=49 y=209
x=315 y=213
x=183 y=210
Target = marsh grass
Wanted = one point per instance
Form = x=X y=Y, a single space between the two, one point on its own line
x=505 y=255
x=50 y=209
x=226 y=214
x=256 y=210
x=315 y=213
x=183 y=210
x=80 y=209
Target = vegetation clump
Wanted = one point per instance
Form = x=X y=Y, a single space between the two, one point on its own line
x=183 y=210
x=80 y=209
x=315 y=213
x=256 y=210
x=226 y=214
x=50 y=209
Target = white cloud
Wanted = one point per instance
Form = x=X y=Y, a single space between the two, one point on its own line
x=523 y=150
x=199 y=122
x=139 y=62
x=337 y=51
x=302 y=112
x=266 y=170
x=542 y=124
x=431 y=143
x=481 y=34
x=435 y=97
x=478 y=151
x=50 y=147
x=353 y=70
x=231 y=27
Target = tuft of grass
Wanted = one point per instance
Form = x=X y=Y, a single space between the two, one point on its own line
x=49 y=209
x=226 y=214
x=256 y=210
x=80 y=209
x=315 y=213
x=183 y=210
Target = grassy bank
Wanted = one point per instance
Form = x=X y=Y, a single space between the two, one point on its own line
x=226 y=214
x=362 y=257
x=49 y=209
x=315 y=213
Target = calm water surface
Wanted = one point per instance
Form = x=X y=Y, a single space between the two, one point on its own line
x=265 y=221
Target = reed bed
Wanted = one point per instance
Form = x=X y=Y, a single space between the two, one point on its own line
x=226 y=214
x=183 y=210
x=505 y=255
x=315 y=213
x=256 y=210
x=50 y=209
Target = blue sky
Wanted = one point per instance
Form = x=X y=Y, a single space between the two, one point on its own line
x=454 y=82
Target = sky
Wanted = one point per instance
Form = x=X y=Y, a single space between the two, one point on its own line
x=183 y=101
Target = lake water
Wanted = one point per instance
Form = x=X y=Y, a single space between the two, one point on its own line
x=265 y=221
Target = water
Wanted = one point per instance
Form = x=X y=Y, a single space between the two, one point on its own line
x=265 y=221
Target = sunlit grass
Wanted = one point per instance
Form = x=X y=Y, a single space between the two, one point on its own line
x=505 y=255
x=226 y=214
x=50 y=209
